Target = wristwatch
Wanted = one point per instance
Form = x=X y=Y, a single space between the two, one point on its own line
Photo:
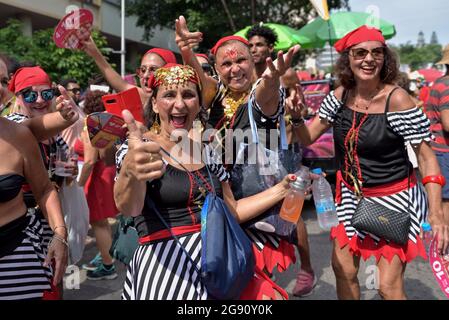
x=296 y=122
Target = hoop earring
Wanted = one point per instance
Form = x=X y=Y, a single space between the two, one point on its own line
x=156 y=127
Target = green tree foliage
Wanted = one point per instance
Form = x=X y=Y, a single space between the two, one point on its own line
x=418 y=58
x=41 y=50
x=218 y=18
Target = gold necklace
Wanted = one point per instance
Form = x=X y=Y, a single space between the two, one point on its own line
x=232 y=104
x=370 y=100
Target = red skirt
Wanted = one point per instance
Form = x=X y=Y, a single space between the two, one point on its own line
x=270 y=257
x=367 y=247
x=99 y=190
x=261 y=285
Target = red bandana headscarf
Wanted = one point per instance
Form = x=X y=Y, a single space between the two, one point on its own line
x=28 y=77
x=359 y=35
x=165 y=54
x=225 y=39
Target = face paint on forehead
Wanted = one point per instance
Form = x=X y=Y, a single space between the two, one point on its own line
x=232 y=53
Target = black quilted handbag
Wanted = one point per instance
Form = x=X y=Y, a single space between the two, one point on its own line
x=381 y=221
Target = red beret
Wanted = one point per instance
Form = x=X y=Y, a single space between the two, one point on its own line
x=165 y=54
x=225 y=39
x=359 y=35
x=27 y=77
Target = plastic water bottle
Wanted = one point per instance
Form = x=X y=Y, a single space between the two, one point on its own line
x=426 y=233
x=324 y=202
x=294 y=200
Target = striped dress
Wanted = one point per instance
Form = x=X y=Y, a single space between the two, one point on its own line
x=160 y=270
x=412 y=126
x=26 y=261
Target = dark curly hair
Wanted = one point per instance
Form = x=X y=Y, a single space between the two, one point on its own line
x=262 y=31
x=149 y=116
x=388 y=74
x=93 y=102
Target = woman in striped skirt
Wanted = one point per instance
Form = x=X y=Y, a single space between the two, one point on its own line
x=372 y=121
x=23 y=271
x=25 y=262
x=159 y=268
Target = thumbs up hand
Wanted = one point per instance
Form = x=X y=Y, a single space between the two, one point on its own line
x=143 y=160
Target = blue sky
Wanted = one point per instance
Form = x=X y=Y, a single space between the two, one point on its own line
x=410 y=17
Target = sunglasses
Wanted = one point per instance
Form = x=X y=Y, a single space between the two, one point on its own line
x=206 y=67
x=30 y=96
x=143 y=69
x=360 y=53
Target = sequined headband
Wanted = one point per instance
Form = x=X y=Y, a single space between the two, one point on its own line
x=173 y=75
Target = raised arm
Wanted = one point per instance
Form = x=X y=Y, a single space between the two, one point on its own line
x=267 y=92
x=143 y=162
x=109 y=73
x=250 y=207
x=47 y=126
x=187 y=40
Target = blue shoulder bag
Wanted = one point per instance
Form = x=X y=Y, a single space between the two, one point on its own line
x=227 y=259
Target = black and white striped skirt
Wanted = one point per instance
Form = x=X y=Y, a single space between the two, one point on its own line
x=22 y=274
x=398 y=201
x=162 y=271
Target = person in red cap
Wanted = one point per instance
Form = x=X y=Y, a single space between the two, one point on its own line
x=232 y=99
x=373 y=120
x=206 y=65
x=176 y=185
x=151 y=61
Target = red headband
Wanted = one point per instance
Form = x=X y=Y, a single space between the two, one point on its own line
x=165 y=54
x=172 y=74
x=359 y=35
x=28 y=76
x=225 y=39
x=202 y=55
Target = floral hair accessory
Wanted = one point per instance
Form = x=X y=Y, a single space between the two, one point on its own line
x=173 y=75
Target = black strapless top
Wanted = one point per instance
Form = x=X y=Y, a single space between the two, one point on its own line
x=10 y=186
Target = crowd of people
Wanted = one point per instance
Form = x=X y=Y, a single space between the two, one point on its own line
x=240 y=86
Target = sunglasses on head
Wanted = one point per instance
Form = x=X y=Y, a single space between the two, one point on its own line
x=361 y=53
x=143 y=69
x=31 y=96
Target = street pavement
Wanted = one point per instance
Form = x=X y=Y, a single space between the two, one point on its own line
x=419 y=280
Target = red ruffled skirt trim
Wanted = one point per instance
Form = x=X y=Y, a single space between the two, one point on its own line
x=262 y=286
x=367 y=247
x=270 y=257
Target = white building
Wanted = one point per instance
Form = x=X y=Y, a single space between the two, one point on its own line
x=327 y=57
x=42 y=14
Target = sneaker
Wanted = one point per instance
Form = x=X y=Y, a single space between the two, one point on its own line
x=94 y=263
x=305 y=282
x=102 y=273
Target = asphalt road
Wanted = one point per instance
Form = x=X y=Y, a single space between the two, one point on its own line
x=419 y=284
